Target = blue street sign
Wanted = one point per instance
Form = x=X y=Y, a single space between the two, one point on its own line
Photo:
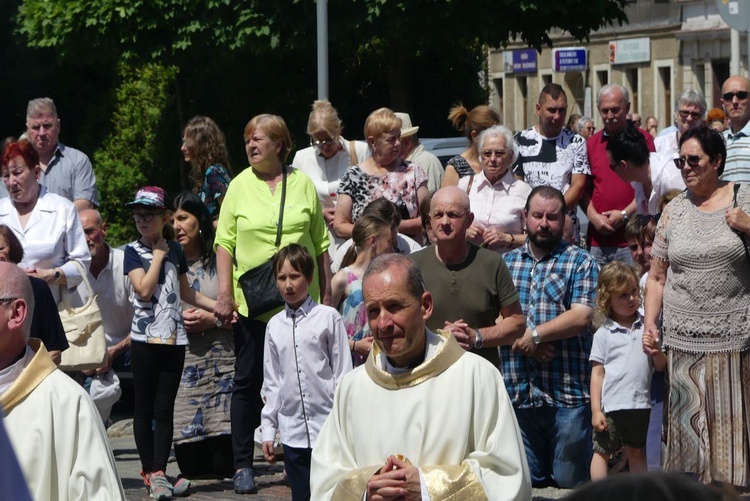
x=570 y=59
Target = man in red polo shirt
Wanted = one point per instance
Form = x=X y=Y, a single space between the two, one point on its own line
x=609 y=201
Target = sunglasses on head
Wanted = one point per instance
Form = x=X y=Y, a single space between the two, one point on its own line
x=691 y=160
x=730 y=95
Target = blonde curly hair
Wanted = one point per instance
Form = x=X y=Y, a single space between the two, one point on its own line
x=613 y=279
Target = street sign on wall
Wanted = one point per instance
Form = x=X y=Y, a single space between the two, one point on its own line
x=519 y=61
x=631 y=50
x=570 y=59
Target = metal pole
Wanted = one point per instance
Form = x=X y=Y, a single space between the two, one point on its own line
x=734 y=52
x=322 y=49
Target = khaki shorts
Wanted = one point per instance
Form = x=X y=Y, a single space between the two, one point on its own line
x=627 y=427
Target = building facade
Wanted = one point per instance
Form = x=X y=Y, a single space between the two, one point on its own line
x=665 y=48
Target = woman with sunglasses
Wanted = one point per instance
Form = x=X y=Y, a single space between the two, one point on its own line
x=327 y=159
x=700 y=279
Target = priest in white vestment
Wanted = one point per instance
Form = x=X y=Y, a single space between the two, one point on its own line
x=52 y=423
x=422 y=419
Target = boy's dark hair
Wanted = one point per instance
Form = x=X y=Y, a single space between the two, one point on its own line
x=628 y=145
x=298 y=256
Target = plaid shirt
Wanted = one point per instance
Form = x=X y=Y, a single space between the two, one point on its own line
x=546 y=289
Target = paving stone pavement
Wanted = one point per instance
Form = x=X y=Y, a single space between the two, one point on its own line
x=270 y=478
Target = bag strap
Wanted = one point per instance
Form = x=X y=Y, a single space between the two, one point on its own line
x=471 y=181
x=89 y=288
x=353 y=153
x=280 y=225
x=741 y=234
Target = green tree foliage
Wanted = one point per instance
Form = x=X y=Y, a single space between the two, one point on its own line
x=126 y=160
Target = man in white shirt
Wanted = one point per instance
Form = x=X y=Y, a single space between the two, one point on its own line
x=443 y=422
x=112 y=288
x=551 y=155
x=52 y=423
x=651 y=174
x=689 y=112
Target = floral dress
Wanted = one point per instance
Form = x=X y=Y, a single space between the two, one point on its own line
x=215 y=184
x=354 y=314
x=203 y=399
x=399 y=186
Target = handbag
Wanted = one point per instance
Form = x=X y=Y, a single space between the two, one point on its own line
x=259 y=284
x=740 y=233
x=84 y=329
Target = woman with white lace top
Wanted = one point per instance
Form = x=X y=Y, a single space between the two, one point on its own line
x=700 y=278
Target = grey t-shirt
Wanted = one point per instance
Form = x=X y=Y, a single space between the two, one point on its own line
x=70 y=175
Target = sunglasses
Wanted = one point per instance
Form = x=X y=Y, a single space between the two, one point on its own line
x=319 y=144
x=692 y=160
x=696 y=115
x=731 y=95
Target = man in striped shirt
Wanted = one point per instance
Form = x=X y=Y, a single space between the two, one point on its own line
x=734 y=97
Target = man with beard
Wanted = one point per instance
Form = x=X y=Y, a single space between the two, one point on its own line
x=547 y=371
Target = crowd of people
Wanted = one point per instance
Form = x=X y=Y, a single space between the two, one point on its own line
x=395 y=330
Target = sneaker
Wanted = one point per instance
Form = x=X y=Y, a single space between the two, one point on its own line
x=161 y=489
x=244 y=482
x=180 y=487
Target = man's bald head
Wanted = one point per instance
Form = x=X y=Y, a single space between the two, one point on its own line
x=92 y=215
x=736 y=102
x=452 y=195
x=16 y=310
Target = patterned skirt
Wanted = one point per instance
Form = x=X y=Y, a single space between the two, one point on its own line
x=706 y=415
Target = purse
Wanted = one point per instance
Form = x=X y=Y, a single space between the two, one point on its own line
x=84 y=330
x=259 y=284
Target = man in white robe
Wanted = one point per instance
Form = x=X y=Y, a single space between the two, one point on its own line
x=423 y=418
x=52 y=423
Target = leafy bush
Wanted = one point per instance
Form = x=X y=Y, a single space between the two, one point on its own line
x=127 y=158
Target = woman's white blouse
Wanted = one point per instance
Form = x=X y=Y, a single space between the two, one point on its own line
x=53 y=236
x=499 y=205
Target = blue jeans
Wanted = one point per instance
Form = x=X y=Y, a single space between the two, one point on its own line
x=558 y=444
x=604 y=255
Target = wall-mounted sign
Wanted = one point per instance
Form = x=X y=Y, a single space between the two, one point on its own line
x=632 y=50
x=519 y=61
x=569 y=59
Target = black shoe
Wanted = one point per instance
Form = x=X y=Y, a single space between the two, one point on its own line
x=244 y=482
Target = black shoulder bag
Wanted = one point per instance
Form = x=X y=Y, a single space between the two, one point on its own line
x=259 y=284
x=741 y=234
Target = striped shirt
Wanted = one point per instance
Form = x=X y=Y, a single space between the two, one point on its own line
x=547 y=288
x=737 y=167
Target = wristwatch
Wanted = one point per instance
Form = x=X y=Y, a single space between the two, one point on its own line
x=57 y=274
x=478 y=341
x=625 y=216
x=535 y=337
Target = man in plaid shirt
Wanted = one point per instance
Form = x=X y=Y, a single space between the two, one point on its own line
x=547 y=371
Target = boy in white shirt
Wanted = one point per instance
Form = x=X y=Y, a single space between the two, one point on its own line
x=306 y=353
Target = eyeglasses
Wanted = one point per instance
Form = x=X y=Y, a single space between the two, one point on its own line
x=695 y=115
x=320 y=144
x=146 y=217
x=692 y=161
x=488 y=153
x=729 y=96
